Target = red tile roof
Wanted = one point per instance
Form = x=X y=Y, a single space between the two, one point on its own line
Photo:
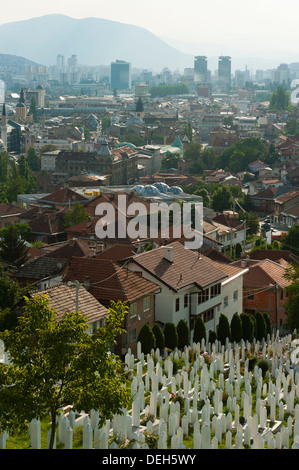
x=62 y=298
x=188 y=268
x=10 y=209
x=264 y=273
x=63 y=196
x=108 y=280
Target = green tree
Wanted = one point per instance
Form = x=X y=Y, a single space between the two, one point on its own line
x=33 y=159
x=4 y=167
x=236 y=328
x=193 y=152
x=268 y=323
x=292 y=304
x=170 y=161
x=202 y=192
x=212 y=337
x=291 y=240
x=23 y=230
x=261 y=328
x=280 y=99
x=183 y=333
x=33 y=109
x=199 y=330
x=247 y=327
x=159 y=336
x=238 y=250
x=223 y=329
x=147 y=339
x=76 y=215
x=10 y=294
x=13 y=248
x=171 y=335
x=221 y=199
x=57 y=363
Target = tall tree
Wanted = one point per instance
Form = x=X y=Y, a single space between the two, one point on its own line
x=291 y=240
x=280 y=99
x=76 y=215
x=56 y=363
x=221 y=199
x=33 y=159
x=292 y=304
x=13 y=248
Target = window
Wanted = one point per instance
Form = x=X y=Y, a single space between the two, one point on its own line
x=203 y=296
x=177 y=304
x=235 y=295
x=132 y=335
x=186 y=300
x=250 y=295
x=225 y=301
x=146 y=303
x=208 y=315
x=133 y=310
x=215 y=290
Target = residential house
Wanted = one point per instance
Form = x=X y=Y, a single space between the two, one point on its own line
x=263 y=201
x=292 y=176
x=283 y=203
x=257 y=166
x=279 y=256
x=290 y=217
x=43 y=272
x=108 y=281
x=264 y=289
x=191 y=284
x=48 y=227
x=9 y=214
x=68 y=298
x=230 y=231
x=64 y=197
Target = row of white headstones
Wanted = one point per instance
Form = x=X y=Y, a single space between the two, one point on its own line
x=173 y=411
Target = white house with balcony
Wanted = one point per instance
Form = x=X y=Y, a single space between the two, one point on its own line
x=191 y=285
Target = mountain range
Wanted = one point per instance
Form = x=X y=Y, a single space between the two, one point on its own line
x=95 y=41
x=98 y=41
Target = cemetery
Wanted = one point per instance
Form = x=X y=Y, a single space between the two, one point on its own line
x=205 y=396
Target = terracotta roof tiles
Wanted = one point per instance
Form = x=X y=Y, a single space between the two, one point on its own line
x=108 y=280
x=187 y=268
x=62 y=298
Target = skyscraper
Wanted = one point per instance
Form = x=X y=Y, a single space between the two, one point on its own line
x=224 y=71
x=200 y=69
x=120 y=75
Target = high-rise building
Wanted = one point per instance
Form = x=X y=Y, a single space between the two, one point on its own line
x=200 y=69
x=224 y=71
x=120 y=75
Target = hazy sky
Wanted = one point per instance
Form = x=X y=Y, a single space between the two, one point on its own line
x=246 y=25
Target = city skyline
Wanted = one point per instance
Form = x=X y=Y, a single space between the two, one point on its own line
x=232 y=29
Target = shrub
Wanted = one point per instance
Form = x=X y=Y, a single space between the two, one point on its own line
x=247 y=327
x=236 y=328
x=268 y=323
x=171 y=335
x=183 y=333
x=223 y=330
x=159 y=335
x=238 y=250
x=261 y=328
x=199 y=330
x=147 y=339
x=212 y=337
x=264 y=365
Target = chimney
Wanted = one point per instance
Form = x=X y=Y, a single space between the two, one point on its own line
x=168 y=253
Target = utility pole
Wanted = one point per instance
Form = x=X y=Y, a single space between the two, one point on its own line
x=77 y=295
